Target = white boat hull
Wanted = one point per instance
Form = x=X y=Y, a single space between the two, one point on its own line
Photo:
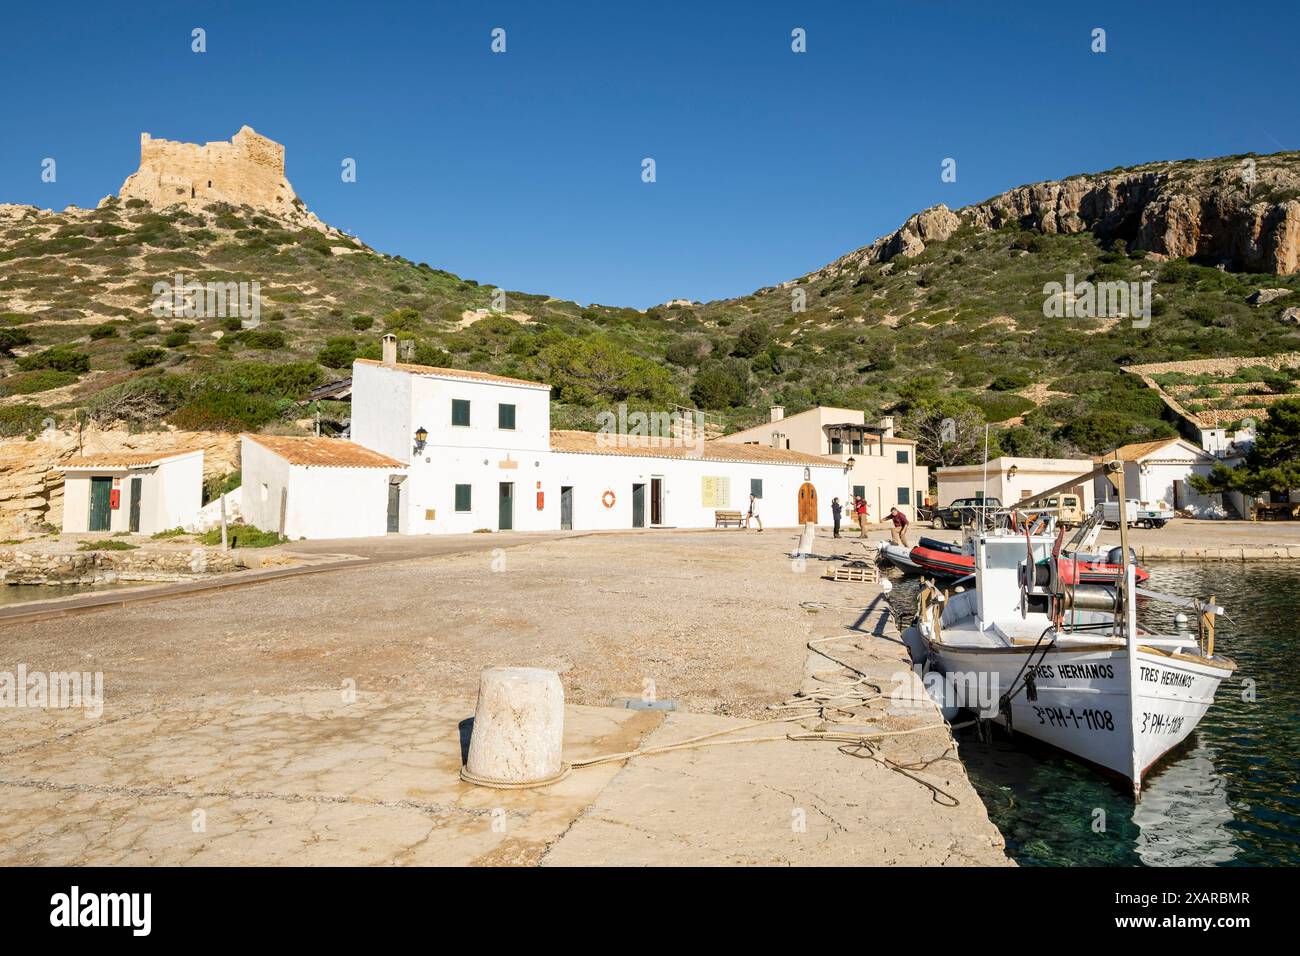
x=1082 y=704
x=900 y=557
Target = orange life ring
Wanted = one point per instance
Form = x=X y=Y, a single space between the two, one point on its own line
x=608 y=499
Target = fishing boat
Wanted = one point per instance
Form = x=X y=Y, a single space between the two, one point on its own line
x=1065 y=662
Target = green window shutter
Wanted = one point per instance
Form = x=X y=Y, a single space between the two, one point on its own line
x=506 y=416
x=756 y=487
x=463 y=498
x=460 y=412
x=904 y=495
x=901 y=457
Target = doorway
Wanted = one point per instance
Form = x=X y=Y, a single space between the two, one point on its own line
x=506 y=506
x=394 y=505
x=638 y=506
x=566 y=507
x=137 y=488
x=656 y=501
x=100 y=491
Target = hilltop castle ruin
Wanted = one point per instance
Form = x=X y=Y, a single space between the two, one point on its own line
x=248 y=170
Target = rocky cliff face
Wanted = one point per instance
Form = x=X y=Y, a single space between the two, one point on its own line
x=1242 y=213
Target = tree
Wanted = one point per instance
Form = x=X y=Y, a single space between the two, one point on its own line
x=948 y=431
x=721 y=384
x=592 y=370
x=1272 y=465
x=753 y=339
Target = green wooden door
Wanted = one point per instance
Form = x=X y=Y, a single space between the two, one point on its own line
x=638 y=506
x=100 y=488
x=137 y=489
x=506 y=507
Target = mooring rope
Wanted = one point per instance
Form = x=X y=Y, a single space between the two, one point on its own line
x=834 y=706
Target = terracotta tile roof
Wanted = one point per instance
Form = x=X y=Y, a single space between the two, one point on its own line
x=1136 y=451
x=126 y=459
x=594 y=443
x=324 y=452
x=460 y=373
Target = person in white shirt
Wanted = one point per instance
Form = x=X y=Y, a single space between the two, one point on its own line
x=753 y=513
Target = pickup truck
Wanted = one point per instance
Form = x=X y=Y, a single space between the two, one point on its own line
x=962 y=512
x=1142 y=514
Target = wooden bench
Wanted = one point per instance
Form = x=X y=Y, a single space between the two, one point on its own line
x=722 y=518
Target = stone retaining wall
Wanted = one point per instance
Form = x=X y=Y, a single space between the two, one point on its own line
x=105 y=567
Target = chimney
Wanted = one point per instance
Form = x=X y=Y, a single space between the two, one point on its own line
x=778 y=412
x=887 y=426
x=390 y=349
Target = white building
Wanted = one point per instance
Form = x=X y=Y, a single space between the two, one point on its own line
x=316 y=487
x=439 y=451
x=883 y=467
x=1159 y=471
x=1010 y=479
x=142 y=492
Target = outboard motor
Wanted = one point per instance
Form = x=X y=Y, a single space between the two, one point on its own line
x=1115 y=556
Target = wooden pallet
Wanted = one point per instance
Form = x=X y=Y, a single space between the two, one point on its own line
x=857 y=572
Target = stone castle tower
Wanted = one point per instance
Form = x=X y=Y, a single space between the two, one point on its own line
x=248 y=170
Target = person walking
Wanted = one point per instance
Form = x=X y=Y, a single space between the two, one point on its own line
x=836 y=508
x=753 y=513
x=898 y=533
x=861 y=510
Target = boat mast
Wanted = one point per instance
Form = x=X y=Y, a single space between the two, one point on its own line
x=1115 y=475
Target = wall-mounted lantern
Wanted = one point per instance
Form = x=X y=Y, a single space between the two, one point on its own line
x=421 y=439
x=848 y=464
x=1011 y=472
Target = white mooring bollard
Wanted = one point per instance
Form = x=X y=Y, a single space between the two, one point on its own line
x=518 y=736
x=806 y=539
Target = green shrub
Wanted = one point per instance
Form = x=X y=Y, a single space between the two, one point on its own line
x=60 y=358
x=105 y=330
x=11 y=339
x=339 y=352
x=42 y=380
x=243 y=536
x=362 y=322
x=21 y=419
x=263 y=339
x=144 y=358
x=225 y=412
x=176 y=339
x=286 y=380
x=1011 y=381
x=107 y=544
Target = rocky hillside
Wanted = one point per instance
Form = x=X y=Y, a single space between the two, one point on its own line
x=1240 y=212
x=944 y=316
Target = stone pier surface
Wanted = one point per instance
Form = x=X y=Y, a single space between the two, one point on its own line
x=325 y=719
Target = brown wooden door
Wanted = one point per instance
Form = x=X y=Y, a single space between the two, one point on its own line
x=807 y=503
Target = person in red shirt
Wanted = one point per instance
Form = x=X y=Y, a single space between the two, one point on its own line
x=898 y=533
x=861 y=509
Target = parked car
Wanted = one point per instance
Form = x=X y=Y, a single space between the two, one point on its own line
x=962 y=512
x=1143 y=514
x=1068 y=510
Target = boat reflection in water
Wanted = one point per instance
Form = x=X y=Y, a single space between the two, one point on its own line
x=1184 y=816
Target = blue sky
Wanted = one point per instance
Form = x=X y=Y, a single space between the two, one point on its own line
x=523 y=169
